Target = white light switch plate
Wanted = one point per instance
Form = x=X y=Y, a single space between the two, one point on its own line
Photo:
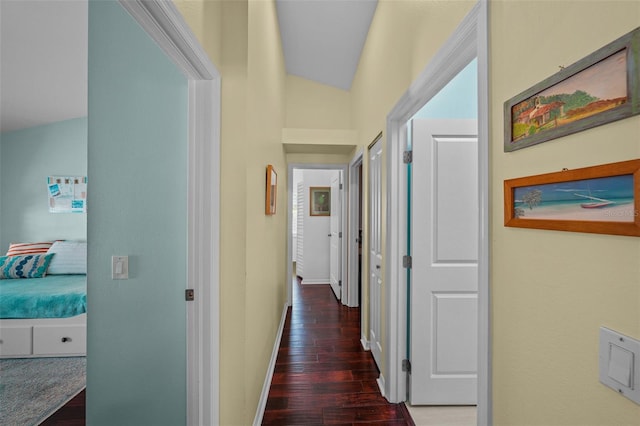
x=119 y=267
x=620 y=363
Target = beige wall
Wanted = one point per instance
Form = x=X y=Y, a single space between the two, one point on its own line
x=243 y=41
x=553 y=290
x=548 y=297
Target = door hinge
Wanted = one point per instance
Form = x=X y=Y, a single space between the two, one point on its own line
x=407 y=157
x=340 y=234
x=189 y=295
x=340 y=186
x=340 y=283
x=407 y=262
x=406 y=365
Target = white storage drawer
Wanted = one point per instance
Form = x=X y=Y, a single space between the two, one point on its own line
x=68 y=340
x=15 y=341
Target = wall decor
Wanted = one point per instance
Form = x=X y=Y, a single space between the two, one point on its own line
x=67 y=194
x=320 y=201
x=271 y=191
x=602 y=199
x=598 y=89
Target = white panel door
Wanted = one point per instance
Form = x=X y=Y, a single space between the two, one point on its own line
x=375 y=250
x=444 y=277
x=335 y=246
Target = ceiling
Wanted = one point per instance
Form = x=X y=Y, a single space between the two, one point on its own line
x=43 y=52
x=43 y=62
x=322 y=39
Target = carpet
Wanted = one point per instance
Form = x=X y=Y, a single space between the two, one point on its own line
x=33 y=389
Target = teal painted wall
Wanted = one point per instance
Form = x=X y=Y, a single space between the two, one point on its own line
x=458 y=99
x=28 y=156
x=136 y=365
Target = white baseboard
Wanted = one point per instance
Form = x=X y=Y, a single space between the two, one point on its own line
x=257 y=421
x=316 y=281
x=365 y=343
x=380 y=382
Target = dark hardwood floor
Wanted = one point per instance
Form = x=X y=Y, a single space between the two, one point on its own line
x=322 y=374
x=71 y=414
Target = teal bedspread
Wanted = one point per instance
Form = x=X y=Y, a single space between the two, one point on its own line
x=54 y=296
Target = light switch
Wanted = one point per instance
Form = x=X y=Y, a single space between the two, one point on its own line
x=618 y=363
x=119 y=267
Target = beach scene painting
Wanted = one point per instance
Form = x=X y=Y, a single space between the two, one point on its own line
x=599 y=88
x=606 y=199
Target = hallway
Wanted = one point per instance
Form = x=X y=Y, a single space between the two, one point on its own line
x=322 y=374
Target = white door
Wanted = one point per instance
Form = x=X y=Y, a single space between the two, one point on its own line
x=335 y=246
x=444 y=277
x=375 y=250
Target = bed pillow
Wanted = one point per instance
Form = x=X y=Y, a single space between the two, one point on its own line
x=19 y=249
x=70 y=258
x=28 y=266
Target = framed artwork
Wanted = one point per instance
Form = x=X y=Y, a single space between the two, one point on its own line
x=271 y=191
x=601 y=199
x=320 y=201
x=600 y=88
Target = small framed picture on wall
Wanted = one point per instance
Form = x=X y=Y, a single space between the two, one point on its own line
x=320 y=201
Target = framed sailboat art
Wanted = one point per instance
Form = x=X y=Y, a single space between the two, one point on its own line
x=602 y=199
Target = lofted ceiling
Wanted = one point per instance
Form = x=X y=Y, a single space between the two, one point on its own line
x=43 y=62
x=43 y=52
x=322 y=39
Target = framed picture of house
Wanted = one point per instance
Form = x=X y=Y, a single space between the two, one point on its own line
x=602 y=199
x=271 y=191
x=598 y=89
x=320 y=201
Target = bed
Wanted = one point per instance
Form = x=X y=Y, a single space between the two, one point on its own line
x=45 y=316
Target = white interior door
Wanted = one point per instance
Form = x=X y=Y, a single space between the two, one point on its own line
x=375 y=250
x=335 y=246
x=444 y=277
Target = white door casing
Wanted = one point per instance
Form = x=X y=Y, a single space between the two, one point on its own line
x=335 y=244
x=375 y=250
x=444 y=276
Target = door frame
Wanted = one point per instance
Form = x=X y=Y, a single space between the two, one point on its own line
x=162 y=21
x=352 y=291
x=345 y=218
x=470 y=40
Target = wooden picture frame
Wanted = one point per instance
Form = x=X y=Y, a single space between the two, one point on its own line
x=602 y=199
x=320 y=201
x=271 y=191
x=598 y=89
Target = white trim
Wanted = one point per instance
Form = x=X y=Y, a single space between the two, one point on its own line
x=381 y=385
x=350 y=287
x=468 y=41
x=315 y=281
x=365 y=343
x=166 y=26
x=305 y=166
x=264 y=396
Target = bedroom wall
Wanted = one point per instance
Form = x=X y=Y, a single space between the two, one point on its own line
x=551 y=290
x=138 y=127
x=28 y=157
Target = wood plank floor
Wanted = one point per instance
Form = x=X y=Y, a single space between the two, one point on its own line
x=322 y=374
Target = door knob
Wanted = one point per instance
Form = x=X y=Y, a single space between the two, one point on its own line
x=329 y=235
x=377 y=266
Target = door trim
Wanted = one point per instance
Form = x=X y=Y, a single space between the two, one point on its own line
x=351 y=290
x=162 y=21
x=470 y=40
